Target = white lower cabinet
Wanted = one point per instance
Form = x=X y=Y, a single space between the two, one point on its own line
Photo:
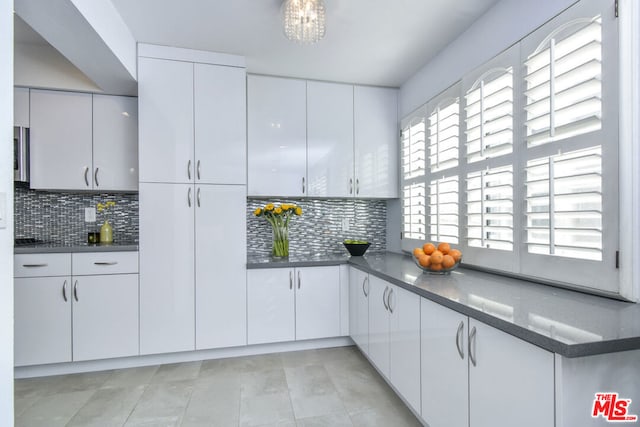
x=379 y=325
x=359 y=308
x=286 y=304
x=468 y=364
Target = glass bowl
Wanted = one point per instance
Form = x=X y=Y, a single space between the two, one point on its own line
x=441 y=271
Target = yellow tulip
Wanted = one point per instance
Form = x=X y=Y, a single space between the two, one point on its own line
x=298 y=210
x=278 y=210
x=269 y=207
x=258 y=212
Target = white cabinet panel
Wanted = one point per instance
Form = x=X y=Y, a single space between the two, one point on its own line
x=376 y=141
x=220 y=124
x=379 y=326
x=511 y=378
x=21 y=106
x=359 y=308
x=38 y=265
x=277 y=146
x=166 y=268
x=444 y=366
x=115 y=143
x=105 y=316
x=404 y=344
x=42 y=320
x=330 y=139
x=165 y=93
x=60 y=144
x=86 y=263
x=270 y=305
x=221 y=282
x=317 y=302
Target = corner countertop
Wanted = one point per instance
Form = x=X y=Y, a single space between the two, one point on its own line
x=53 y=248
x=569 y=323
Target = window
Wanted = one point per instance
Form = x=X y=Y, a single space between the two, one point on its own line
x=519 y=164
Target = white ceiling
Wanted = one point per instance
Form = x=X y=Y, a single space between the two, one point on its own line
x=377 y=42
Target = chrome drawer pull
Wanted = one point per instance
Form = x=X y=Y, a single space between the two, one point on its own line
x=384 y=298
x=472 y=346
x=106 y=262
x=64 y=291
x=459 y=339
x=75 y=290
x=35 y=265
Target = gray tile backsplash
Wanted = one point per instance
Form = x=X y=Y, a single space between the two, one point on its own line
x=59 y=216
x=319 y=229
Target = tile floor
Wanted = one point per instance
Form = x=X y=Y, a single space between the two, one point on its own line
x=327 y=387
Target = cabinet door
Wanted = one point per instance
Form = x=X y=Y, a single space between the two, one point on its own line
x=317 y=302
x=444 y=366
x=220 y=124
x=270 y=305
x=221 y=277
x=115 y=143
x=404 y=345
x=105 y=316
x=165 y=101
x=42 y=322
x=21 y=106
x=60 y=144
x=277 y=136
x=166 y=268
x=359 y=308
x=379 y=324
x=330 y=139
x=376 y=141
x=511 y=378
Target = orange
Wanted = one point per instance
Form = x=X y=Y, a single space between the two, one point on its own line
x=424 y=260
x=417 y=252
x=436 y=257
x=444 y=248
x=448 y=261
x=435 y=267
x=456 y=254
x=428 y=248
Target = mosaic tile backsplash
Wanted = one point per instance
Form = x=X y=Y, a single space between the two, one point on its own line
x=59 y=217
x=319 y=229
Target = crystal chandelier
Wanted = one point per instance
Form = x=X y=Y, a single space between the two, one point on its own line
x=303 y=20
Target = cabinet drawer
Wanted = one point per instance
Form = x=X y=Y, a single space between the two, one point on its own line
x=88 y=263
x=39 y=265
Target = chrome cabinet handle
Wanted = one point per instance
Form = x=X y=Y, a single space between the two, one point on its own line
x=198 y=197
x=105 y=262
x=189 y=170
x=365 y=280
x=64 y=291
x=291 y=280
x=298 y=279
x=350 y=185
x=35 y=265
x=389 y=300
x=95 y=177
x=472 y=346
x=189 y=197
x=303 y=186
x=75 y=290
x=86 y=176
x=459 y=339
x=384 y=298
x=198 y=169
x=357 y=186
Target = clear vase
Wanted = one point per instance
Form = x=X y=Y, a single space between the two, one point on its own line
x=106 y=233
x=280 y=241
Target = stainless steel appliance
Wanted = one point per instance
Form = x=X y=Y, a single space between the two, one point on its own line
x=20 y=154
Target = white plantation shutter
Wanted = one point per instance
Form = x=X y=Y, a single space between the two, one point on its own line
x=489 y=197
x=413 y=211
x=413 y=142
x=444 y=210
x=444 y=134
x=413 y=147
x=489 y=115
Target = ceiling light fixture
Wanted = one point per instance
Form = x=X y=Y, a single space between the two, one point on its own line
x=303 y=20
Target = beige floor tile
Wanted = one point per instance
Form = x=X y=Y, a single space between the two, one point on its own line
x=309 y=380
x=334 y=420
x=164 y=401
x=262 y=362
x=107 y=407
x=264 y=382
x=176 y=372
x=266 y=409
x=151 y=421
x=54 y=410
x=131 y=377
x=384 y=416
x=213 y=404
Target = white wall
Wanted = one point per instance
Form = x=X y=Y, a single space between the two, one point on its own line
x=503 y=25
x=6 y=234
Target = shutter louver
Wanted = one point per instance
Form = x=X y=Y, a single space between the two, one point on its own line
x=489 y=116
x=413 y=148
x=563 y=84
x=443 y=210
x=490 y=208
x=564 y=205
x=413 y=211
x=444 y=134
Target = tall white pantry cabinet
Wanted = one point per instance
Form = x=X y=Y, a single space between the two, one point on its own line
x=192 y=149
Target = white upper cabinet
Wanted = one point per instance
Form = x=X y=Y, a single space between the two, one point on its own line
x=165 y=91
x=115 y=143
x=220 y=124
x=21 y=106
x=60 y=144
x=330 y=139
x=277 y=132
x=376 y=141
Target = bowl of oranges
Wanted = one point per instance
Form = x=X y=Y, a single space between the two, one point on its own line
x=437 y=259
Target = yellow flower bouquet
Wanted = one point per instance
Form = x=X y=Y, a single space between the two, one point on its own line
x=279 y=216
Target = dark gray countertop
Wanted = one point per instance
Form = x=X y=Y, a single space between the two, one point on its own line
x=81 y=247
x=570 y=323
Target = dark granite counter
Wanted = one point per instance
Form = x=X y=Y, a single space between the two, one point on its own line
x=85 y=247
x=569 y=323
